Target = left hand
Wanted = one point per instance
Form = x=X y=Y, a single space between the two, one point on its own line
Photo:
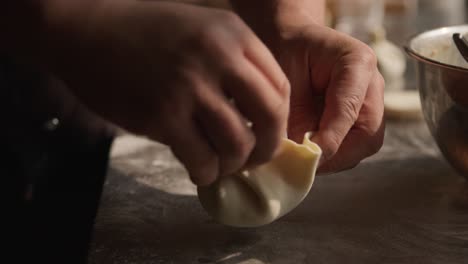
x=336 y=90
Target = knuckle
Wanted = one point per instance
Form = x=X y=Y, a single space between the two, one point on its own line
x=224 y=19
x=236 y=152
x=190 y=84
x=209 y=39
x=266 y=148
x=197 y=91
x=285 y=88
x=275 y=116
x=241 y=147
x=217 y=44
x=351 y=107
x=367 y=57
x=380 y=82
x=267 y=154
x=184 y=74
x=207 y=33
x=231 y=18
x=238 y=30
x=331 y=146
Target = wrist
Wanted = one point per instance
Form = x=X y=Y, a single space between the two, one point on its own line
x=300 y=12
x=280 y=18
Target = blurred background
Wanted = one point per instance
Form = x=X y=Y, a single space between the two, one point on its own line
x=398 y=20
x=386 y=25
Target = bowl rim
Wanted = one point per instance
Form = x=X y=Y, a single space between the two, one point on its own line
x=411 y=52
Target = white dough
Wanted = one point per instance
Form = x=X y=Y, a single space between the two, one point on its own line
x=262 y=195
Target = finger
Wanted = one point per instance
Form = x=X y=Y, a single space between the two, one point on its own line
x=261 y=57
x=192 y=149
x=343 y=101
x=304 y=117
x=227 y=131
x=366 y=137
x=257 y=100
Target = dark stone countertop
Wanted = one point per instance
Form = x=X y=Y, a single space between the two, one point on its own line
x=404 y=205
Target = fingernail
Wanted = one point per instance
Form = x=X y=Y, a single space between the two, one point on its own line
x=202 y=181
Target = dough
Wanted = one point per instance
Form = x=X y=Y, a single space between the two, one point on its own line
x=403 y=105
x=261 y=195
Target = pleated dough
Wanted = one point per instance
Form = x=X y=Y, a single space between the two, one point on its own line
x=266 y=193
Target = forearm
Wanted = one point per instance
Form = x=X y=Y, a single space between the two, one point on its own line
x=269 y=17
x=32 y=30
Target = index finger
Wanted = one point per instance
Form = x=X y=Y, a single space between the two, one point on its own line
x=257 y=101
x=343 y=100
x=261 y=90
x=260 y=56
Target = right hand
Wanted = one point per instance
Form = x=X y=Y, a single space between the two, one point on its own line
x=168 y=70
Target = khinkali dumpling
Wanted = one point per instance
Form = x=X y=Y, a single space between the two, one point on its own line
x=259 y=196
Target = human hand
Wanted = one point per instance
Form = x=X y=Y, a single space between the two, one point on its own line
x=169 y=70
x=336 y=91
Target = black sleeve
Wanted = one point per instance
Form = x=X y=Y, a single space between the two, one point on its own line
x=53 y=162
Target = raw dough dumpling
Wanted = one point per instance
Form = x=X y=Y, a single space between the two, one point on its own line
x=262 y=195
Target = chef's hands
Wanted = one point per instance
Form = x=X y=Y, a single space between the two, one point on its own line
x=336 y=90
x=169 y=70
x=166 y=70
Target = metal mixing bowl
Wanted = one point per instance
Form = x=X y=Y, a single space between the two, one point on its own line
x=442 y=76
